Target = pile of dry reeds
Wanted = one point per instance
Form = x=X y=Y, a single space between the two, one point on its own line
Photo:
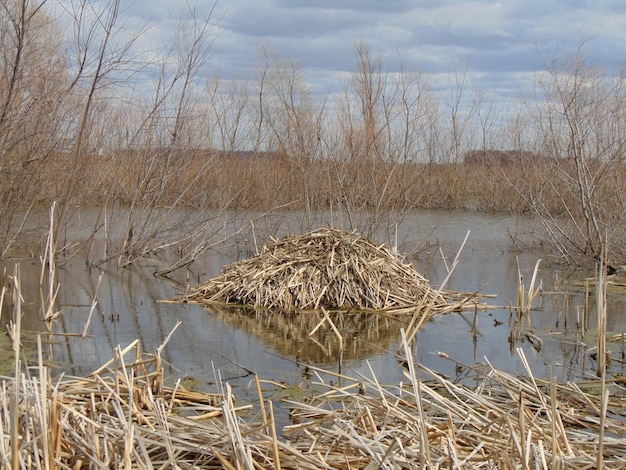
x=503 y=421
x=324 y=269
x=125 y=416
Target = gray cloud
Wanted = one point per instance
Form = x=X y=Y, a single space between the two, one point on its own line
x=292 y=23
x=355 y=6
x=498 y=41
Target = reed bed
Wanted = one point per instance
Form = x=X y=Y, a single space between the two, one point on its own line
x=325 y=269
x=125 y=416
x=503 y=421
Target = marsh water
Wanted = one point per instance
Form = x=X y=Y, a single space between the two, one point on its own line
x=210 y=345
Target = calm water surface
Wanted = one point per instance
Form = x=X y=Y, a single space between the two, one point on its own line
x=230 y=345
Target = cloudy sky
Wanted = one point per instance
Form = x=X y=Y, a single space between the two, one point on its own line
x=495 y=41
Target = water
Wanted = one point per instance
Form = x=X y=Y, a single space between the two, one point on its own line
x=213 y=345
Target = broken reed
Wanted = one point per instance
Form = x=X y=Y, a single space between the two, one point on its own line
x=120 y=416
x=525 y=300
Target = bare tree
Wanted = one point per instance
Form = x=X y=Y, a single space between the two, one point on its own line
x=578 y=119
x=33 y=110
x=228 y=102
x=101 y=61
x=370 y=86
x=171 y=154
x=259 y=121
x=415 y=107
x=296 y=124
x=385 y=123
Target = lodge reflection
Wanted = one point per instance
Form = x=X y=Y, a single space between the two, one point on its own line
x=309 y=337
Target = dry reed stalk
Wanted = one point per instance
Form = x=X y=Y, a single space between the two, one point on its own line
x=94 y=303
x=602 y=354
x=2 y=293
x=15 y=333
x=601 y=321
x=276 y=453
x=334 y=328
x=49 y=262
x=422 y=311
x=525 y=301
x=425 y=457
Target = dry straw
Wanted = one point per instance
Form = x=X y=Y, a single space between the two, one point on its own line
x=503 y=421
x=325 y=269
x=124 y=415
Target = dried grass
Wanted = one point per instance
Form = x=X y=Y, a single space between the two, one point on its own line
x=504 y=421
x=325 y=269
x=125 y=416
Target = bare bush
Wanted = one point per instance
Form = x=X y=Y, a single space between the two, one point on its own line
x=578 y=119
x=34 y=115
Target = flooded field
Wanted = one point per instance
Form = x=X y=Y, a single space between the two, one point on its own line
x=131 y=303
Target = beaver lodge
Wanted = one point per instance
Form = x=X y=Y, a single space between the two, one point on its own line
x=326 y=269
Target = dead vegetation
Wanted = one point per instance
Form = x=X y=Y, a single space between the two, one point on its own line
x=504 y=421
x=326 y=269
x=124 y=415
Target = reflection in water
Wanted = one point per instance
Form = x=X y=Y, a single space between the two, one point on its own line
x=309 y=338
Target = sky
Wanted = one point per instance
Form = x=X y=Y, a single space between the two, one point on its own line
x=499 y=43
